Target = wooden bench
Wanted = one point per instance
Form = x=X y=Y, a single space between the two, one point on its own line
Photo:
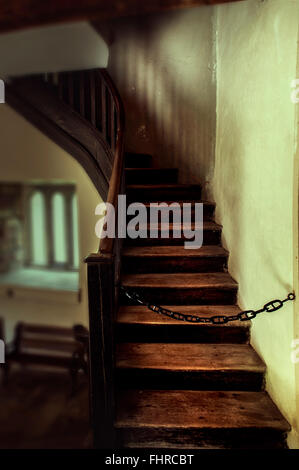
x=49 y=346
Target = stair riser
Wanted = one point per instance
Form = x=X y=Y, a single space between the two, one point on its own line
x=133 y=160
x=133 y=264
x=185 y=296
x=157 y=176
x=164 y=438
x=152 y=379
x=210 y=237
x=181 y=334
x=163 y=194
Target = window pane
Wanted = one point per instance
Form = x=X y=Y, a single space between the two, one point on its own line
x=38 y=230
x=75 y=231
x=59 y=229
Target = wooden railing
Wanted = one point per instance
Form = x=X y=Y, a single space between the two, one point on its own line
x=92 y=94
x=79 y=111
x=83 y=113
x=103 y=286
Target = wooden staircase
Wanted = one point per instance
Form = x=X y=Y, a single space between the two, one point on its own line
x=185 y=385
x=155 y=382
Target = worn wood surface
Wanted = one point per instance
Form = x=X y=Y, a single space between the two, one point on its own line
x=189 y=357
x=140 y=314
x=199 y=419
x=205 y=409
x=172 y=259
x=183 y=288
x=192 y=366
x=135 y=323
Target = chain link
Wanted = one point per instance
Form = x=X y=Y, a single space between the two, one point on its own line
x=217 y=319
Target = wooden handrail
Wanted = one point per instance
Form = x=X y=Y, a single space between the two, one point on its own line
x=107 y=244
x=103 y=282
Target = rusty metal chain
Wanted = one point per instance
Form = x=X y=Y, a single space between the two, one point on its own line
x=217 y=319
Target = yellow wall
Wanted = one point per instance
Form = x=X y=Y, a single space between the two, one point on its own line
x=294 y=439
x=28 y=154
x=163 y=66
x=253 y=182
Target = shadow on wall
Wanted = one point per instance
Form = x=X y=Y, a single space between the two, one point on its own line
x=163 y=66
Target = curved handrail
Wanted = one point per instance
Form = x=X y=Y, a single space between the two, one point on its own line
x=110 y=124
x=107 y=244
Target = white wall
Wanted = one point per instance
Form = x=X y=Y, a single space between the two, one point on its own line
x=28 y=154
x=54 y=48
x=253 y=182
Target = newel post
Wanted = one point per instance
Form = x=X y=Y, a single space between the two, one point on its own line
x=101 y=295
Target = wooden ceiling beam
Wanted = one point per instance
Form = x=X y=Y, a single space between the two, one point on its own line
x=19 y=14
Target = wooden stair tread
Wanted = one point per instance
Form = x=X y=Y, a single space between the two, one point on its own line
x=180 y=280
x=189 y=357
x=174 y=251
x=139 y=314
x=198 y=409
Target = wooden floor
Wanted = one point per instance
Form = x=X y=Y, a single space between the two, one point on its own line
x=37 y=412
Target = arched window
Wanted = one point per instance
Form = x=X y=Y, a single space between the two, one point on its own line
x=75 y=231
x=53 y=221
x=59 y=229
x=38 y=229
